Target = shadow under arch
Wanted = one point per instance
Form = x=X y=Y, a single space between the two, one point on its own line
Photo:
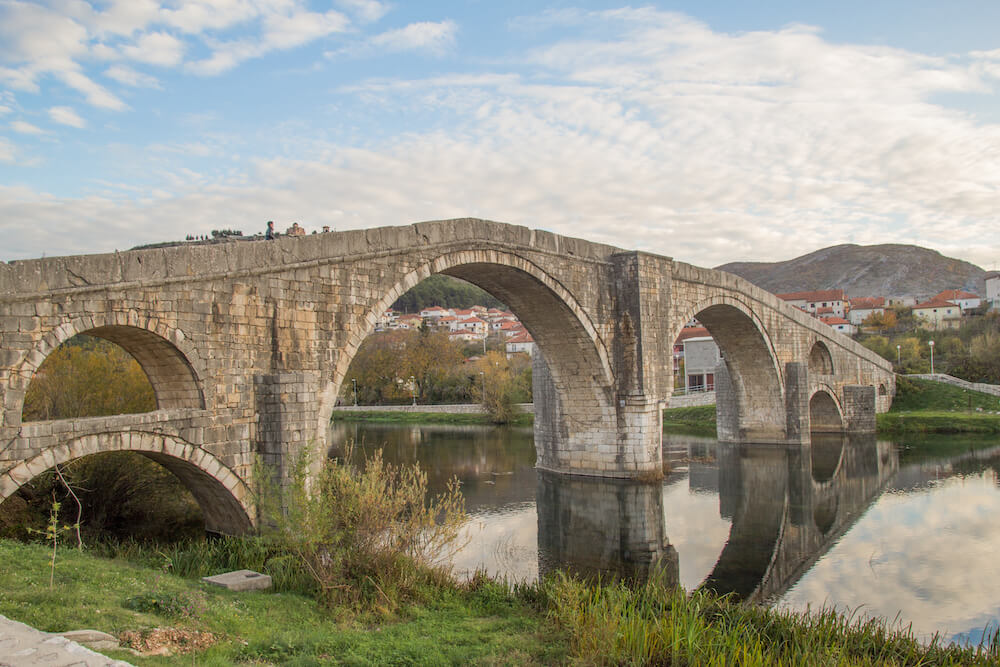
x=576 y=357
x=751 y=363
x=820 y=359
x=225 y=500
x=824 y=413
x=163 y=353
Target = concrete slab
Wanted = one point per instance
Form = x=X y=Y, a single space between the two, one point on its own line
x=22 y=645
x=240 y=580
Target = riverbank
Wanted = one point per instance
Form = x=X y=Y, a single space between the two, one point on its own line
x=920 y=406
x=559 y=621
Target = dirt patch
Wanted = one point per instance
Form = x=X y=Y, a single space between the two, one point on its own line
x=166 y=641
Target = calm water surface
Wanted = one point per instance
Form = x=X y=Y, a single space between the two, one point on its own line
x=891 y=530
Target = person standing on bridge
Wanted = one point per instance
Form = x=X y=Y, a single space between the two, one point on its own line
x=269 y=234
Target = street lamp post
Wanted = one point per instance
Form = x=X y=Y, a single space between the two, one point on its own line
x=482 y=376
x=354 y=381
x=931 y=343
x=897 y=354
x=413 y=389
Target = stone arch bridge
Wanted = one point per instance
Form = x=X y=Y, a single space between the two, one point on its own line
x=246 y=345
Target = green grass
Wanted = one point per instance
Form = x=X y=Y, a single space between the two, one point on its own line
x=561 y=621
x=925 y=406
x=391 y=416
x=913 y=394
x=452 y=625
x=699 y=420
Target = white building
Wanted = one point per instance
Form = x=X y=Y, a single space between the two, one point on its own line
x=964 y=300
x=863 y=307
x=818 y=301
x=993 y=289
x=840 y=324
x=522 y=342
x=939 y=314
x=701 y=357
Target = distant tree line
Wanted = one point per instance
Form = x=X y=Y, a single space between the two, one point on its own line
x=447 y=292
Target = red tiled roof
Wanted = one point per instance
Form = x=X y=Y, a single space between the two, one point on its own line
x=824 y=311
x=936 y=302
x=523 y=337
x=816 y=295
x=691 y=332
x=507 y=326
x=954 y=294
x=833 y=320
x=867 y=302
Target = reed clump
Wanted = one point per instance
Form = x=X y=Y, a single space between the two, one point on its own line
x=652 y=624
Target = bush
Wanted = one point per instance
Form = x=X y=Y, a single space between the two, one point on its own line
x=368 y=537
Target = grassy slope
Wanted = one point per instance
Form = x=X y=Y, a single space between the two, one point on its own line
x=392 y=416
x=934 y=407
x=568 y=622
x=453 y=627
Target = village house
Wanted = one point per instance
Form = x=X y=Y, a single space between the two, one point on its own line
x=993 y=289
x=862 y=307
x=522 y=342
x=839 y=324
x=701 y=358
x=938 y=314
x=434 y=312
x=965 y=300
x=833 y=299
x=688 y=331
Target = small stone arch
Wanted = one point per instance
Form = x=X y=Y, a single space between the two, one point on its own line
x=751 y=360
x=820 y=359
x=881 y=389
x=225 y=499
x=825 y=415
x=171 y=363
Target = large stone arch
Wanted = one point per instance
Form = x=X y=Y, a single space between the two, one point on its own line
x=226 y=501
x=751 y=360
x=171 y=363
x=577 y=359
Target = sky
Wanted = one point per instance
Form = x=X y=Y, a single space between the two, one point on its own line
x=705 y=131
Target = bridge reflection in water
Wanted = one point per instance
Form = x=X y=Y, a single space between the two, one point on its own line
x=788 y=506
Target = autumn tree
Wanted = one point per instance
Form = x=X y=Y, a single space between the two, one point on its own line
x=88 y=377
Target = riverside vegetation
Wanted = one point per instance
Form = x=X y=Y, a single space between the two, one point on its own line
x=358 y=566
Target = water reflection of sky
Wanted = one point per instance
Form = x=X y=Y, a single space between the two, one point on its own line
x=924 y=551
x=929 y=555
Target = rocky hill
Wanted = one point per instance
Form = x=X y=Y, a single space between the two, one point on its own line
x=875 y=270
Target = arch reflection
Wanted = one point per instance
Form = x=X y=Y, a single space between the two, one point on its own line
x=784 y=515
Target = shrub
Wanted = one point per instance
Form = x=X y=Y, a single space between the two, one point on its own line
x=367 y=535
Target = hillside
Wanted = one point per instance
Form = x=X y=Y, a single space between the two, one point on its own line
x=875 y=270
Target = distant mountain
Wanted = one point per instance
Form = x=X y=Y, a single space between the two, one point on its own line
x=874 y=270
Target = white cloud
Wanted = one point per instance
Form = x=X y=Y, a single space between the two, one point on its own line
x=367 y=11
x=4 y=110
x=23 y=127
x=426 y=36
x=96 y=94
x=130 y=77
x=156 y=48
x=66 y=116
x=280 y=31
x=646 y=130
x=6 y=150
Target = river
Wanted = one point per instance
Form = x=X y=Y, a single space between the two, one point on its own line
x=899 y=530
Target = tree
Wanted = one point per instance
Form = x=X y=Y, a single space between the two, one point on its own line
x=88 y=377
x=881 y=322
x=498 y=388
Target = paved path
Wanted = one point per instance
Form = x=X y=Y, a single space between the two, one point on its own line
x=22 y=645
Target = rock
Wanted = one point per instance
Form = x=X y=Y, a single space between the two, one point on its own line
x=240 y=580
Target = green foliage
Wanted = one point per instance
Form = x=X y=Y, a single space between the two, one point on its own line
x=122 y=494
x=87 y=377
x=651 y=624
x=913 y=394
x=502 y=384
x=698 y=420
x=169 y=605
x=444 y=291
x=369 y=537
